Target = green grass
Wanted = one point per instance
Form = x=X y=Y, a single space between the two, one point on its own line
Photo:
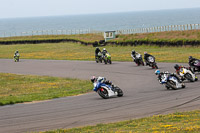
x=76 y=51
x=170 y=36
x=26 y=88
x=172 y=123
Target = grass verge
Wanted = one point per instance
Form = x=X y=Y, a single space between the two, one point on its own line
x=75 y=51
x=26 y=88
x=178 y=123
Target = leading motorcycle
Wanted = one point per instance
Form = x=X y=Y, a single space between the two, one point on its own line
x=107 y=91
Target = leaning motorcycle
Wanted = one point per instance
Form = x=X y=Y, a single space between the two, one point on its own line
x=99 y=58
x=16 y=58
x=151 y=62
x=138 y=59
x=195 y=65
x=106 y=91
x=170 y=81
x=107 y=58
x=186 y=73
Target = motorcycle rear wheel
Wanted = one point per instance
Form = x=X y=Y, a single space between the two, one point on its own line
x=119 y=92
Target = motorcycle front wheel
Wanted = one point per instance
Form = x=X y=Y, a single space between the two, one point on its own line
x=188 y=76
x=103 y=93
x=172 y=85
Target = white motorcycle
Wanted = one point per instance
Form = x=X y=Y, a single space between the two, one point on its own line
x=170 y=81
x=186 y=73
x=107 y=91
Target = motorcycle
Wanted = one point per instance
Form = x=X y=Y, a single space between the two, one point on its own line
x=170 y=81
x=195 y=65
x=151 y=62
x=186 y=73
x=107 y=58
x=106 y=91
x=99 y=58
x=16 y=58
x=138 y=59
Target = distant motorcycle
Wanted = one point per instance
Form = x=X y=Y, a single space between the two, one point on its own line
x=138 y=59
x=151 y=62
x=99 y=58
x=107 y=58
x=194 y=64
x=16 y=58
x=107 y=91
x=186 y=73
x=170 y=81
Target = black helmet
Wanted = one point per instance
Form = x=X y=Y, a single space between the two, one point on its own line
x=93 y=78
x=190 y=57
x=133 y=51
x=97 y=47
x=176 y=66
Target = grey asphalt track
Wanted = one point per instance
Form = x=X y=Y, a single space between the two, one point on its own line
x=143 y=96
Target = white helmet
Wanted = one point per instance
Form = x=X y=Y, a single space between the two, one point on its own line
x=104 y=48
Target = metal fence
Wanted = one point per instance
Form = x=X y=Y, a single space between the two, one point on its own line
x=45 y=32
x=86 y=31
x=160 y=29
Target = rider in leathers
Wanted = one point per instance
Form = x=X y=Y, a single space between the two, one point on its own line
x=133 y=55
x=97 y=50
x=94 y=80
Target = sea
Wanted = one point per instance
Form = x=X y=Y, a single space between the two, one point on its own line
x=100 y=22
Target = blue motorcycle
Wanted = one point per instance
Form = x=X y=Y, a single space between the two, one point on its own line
x=170 y=81
x=107 y=91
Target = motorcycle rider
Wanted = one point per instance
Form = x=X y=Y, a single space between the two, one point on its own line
x=133 y=55
x=104 y=52
x=146 y=55
x=157 y=72
x=16 y=53
x=95 y=80
x=177 y=68
x=97 y=50
x=192 y=60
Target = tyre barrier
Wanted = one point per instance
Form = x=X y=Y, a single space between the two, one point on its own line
x=103 y=43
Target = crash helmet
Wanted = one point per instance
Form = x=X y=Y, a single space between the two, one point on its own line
x=104 y=49
x=97 y=48
x=16 y=51
x=190 y=57
x=176 y=66
x=93 y=78
x=145 y=52
x=157 y=72
x=133 y=52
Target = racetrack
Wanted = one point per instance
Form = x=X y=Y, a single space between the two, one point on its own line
x=143 y=96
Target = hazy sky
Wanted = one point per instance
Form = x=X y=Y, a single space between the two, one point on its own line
x=31 y=8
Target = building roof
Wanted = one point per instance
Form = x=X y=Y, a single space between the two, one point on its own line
x=109 y=31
